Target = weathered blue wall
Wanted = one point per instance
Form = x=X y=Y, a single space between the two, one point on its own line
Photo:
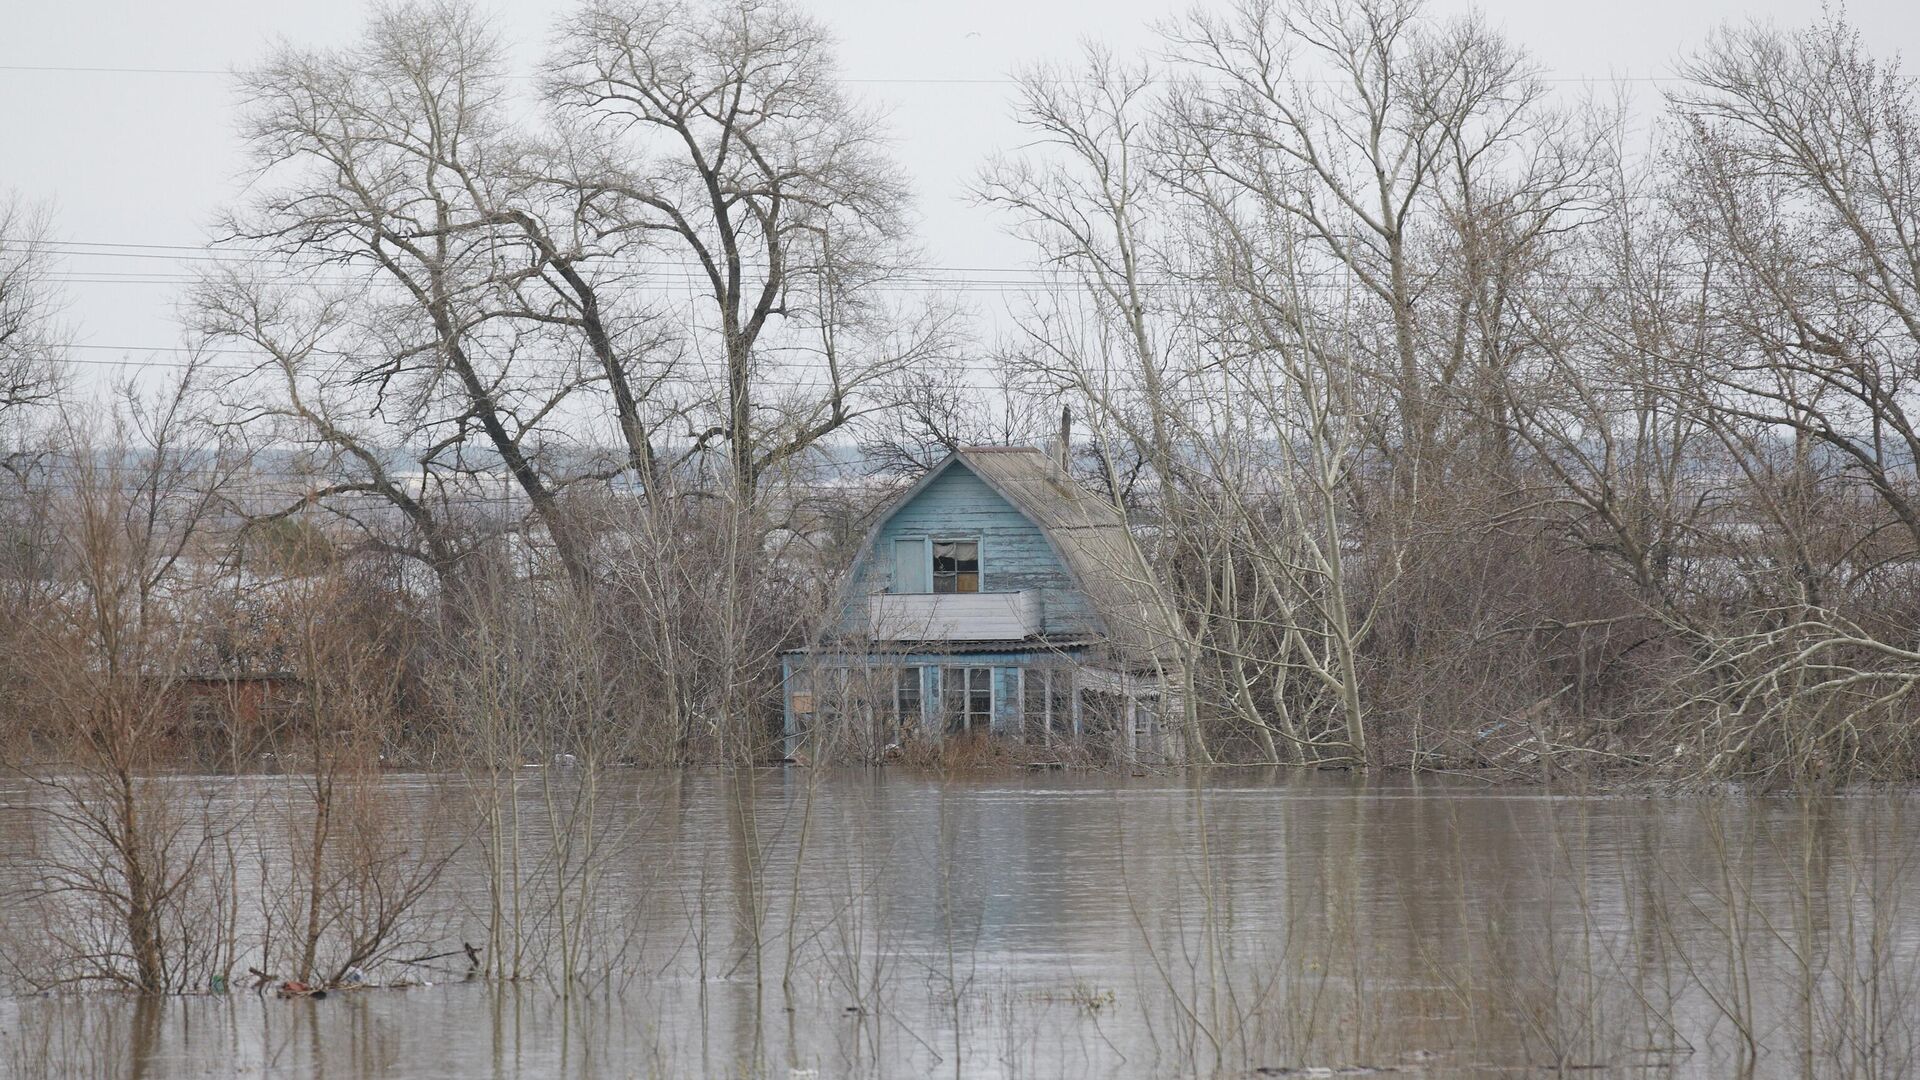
x=1014 y=553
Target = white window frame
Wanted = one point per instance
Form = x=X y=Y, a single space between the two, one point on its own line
x=920 y=694
x=966 y=716
x=979 y=558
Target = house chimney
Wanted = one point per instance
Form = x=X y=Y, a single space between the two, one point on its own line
x=1063 y=453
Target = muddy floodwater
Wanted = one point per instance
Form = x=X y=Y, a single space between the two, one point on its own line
x=788 y=924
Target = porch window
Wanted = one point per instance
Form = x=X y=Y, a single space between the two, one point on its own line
x=800 y=692
x=956 y=566
x=966 y=695
x=906 y=695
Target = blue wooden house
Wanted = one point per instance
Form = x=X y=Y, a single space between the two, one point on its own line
x=995 y=596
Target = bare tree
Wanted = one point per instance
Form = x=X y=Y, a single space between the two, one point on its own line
x=935 y=411
x=1793 y=171
x=359 y=865
x=1114 y=326
x=30 y=335
x=732 y=149
x=1796 y=171
x=1344 y=117
x=393 y=164
x=395 y=482
x=134 y=880
x=1085 y=195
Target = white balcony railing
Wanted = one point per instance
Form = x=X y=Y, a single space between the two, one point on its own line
x=1005 y=616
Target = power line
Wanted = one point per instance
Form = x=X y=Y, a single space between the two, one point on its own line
x=92 y=70
x=210 y=253
x=916 y=277
x=690 y=268
x=1004 y=80
x=266 y=360
x=914 y=280
x=708 y=377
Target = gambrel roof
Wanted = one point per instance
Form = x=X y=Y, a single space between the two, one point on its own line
x=1091 y=538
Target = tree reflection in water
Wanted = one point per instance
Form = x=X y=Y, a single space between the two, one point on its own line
x=1068 y=925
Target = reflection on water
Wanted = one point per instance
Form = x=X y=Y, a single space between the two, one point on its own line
x=891 y=924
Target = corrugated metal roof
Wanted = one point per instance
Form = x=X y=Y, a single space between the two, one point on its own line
x=960 y=648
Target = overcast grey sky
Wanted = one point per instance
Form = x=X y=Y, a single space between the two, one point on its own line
x=131 y=157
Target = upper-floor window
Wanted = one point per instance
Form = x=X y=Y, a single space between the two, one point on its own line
x=956 y=566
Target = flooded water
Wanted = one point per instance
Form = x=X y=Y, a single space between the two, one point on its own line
x=790 y=924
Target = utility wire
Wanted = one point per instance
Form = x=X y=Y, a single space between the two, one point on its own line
x=853 y=80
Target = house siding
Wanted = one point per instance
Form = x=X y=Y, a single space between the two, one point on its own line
x=1014 y=554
